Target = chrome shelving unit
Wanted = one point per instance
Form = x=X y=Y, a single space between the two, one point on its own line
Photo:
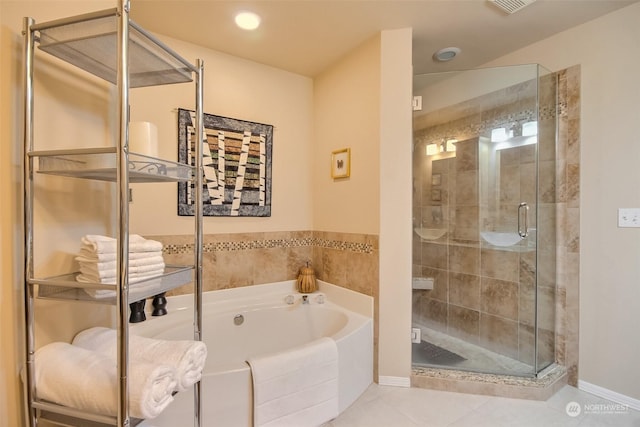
x=111 y=46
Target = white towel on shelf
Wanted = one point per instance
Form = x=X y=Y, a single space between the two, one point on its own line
x=106 y=270
x=87 y=255
x=154 y=259
x=87 y=380
x=107 y=245
x=187 y=357
x=297 y=387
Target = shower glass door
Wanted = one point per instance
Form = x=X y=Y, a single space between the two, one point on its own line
x=484 y=220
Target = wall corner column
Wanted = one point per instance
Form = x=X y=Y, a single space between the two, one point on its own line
x=394 y=363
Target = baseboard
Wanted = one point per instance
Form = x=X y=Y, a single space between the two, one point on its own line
x=609 y=395
x=394 y=381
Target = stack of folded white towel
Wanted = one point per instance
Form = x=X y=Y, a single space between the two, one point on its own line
x=83 y=375
x=97 y=259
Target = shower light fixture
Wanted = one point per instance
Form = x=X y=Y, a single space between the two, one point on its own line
x=432 y=149
x=447 y=145
x=499 y=135
x=247 y=20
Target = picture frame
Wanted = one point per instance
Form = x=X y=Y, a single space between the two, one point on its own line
x=341 y=163
x=237 y=159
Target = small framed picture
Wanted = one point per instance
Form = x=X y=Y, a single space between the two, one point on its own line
x=341 y=163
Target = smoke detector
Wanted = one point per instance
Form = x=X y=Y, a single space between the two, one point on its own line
x=510 y=6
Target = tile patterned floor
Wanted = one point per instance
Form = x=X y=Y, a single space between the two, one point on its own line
x=382 y=406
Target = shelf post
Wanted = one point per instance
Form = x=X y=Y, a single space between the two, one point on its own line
x=27 y=203
x=199 y=172
x=122 y=179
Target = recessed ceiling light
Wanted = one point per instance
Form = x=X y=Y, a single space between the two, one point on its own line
x=446 y=54
x=247 y=20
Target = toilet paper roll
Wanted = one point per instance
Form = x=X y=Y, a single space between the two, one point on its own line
x=143 y=138
x=423 y=283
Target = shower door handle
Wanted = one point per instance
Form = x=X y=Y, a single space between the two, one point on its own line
x=523 y=207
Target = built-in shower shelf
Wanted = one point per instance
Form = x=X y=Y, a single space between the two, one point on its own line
x=66 y=287
x=101 y=164
x=521 y=247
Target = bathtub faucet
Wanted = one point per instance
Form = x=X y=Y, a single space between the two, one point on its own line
x=305 y=299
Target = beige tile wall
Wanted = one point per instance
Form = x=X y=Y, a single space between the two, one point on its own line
x=245 y=259
x=568 y=248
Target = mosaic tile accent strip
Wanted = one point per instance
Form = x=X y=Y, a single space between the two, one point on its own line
x=172 y=249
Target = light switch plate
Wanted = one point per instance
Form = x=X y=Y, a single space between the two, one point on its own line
x=629 y=217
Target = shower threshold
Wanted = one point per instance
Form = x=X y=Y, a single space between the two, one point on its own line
x=476 y=370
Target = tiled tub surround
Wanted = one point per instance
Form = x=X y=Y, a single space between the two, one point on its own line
x=235 y=260
x=483 y=294
x=245 y=259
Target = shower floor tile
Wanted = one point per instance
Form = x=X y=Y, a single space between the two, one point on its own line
x=477 y=359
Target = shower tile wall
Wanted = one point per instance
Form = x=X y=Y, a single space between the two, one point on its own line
x=478 y=295
x=486 y=296
x=568 y=201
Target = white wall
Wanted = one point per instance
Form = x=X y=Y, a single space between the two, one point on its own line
x=346 y=115
x=364 y=102
x=245 y=90
x=607 y=51
x=73 y=110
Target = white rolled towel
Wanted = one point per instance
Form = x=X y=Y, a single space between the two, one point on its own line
x=108 y=245
x=186 y=356
x=87 y=380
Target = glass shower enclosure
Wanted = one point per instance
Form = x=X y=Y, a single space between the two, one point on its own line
x=484 y=220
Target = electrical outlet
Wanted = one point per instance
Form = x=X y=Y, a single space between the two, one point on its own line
x=629 y=217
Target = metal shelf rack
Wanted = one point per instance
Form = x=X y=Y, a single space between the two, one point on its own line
x=111 y=46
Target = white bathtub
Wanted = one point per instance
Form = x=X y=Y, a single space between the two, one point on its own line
x=270 y=324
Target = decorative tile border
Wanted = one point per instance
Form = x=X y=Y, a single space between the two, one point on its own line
x=177 y=249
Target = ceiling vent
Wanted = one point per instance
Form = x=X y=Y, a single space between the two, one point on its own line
x=511 y=6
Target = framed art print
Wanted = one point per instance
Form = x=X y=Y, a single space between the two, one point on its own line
x=341 y=163
x=237 y=166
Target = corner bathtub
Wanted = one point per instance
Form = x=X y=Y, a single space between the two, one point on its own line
x=269 y=325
